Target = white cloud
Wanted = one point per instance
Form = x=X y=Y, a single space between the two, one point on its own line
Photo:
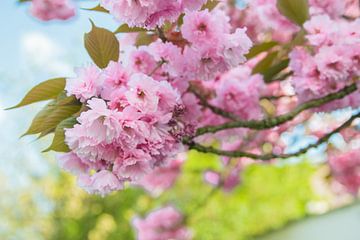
x=41 y=52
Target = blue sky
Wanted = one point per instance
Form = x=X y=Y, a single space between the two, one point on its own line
x=31 y=52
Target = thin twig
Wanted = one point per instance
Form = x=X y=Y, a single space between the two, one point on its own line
x=267 y=157
x=276 y=121
x=161 y=34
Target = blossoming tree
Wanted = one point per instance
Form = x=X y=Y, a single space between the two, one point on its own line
x=205 y=76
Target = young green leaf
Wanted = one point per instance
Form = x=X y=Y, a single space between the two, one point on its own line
x=210 y=5
x=274 y=70
x=102 y=46
x=259 y=48
x=50 y=116
x=37 y=123
x=126 y=29
x=296 y=11
x=47 y=90
x=97 y=8
x=58 y=143
x=144 y=38
x=59 y=114
x=264 y=64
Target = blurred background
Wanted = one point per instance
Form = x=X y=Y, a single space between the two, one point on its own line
x=292 y=200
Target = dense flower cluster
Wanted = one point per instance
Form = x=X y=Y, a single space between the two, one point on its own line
x=137 y=111
x=128 y=131
x=149 y=13
x=164 y=223
x=52 y=9
x=332 y=63
x=346 y=168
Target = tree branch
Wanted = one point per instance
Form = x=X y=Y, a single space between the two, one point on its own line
x=267 y=157
x=214 y=109
x=161 y=34
x=273 y=122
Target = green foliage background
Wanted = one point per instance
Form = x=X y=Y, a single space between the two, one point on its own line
x=268 y=197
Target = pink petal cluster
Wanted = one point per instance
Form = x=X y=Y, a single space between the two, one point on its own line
x=164 y=223
x=335 y=8
x=346 y=169
x=52 y=9
x=263 y=18
x=149 y=13
x=161 y=178
x=238 y=91
x=331 y=65
x=132 y=129
x=213 y=48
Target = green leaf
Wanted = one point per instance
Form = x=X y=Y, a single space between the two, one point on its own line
x=48 y=118
x=98 y=8
x=58 y=114
x=210 y=5
x=264 y=64
x=272 y=71
x=44 y=91
x=296 y=11
x=144 y=38
x=259 y=48
x=63 y=99
x=102 y=46
x=126 y=29
x=37 y=123
x=58 y=143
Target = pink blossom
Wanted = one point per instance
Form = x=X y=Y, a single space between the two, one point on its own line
x=238 y=91
x=333 y=8
x=143 y=13
x=87 y=84
x=115 y=76
x=346 y=169
x=192 y=4
x=72 y=163
x=102 y=183
x=236 y=46
x=202 y=29
x=164 y=223
x=161 y=178
x=52 y=9
x=212 y=177
x=142 y=61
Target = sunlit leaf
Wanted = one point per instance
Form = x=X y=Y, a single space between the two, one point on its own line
x=49 y=89
x=37 y=123
x=264 y=64
x=259 y=48
x=274 y=70
x=126 y=29
x=210 y=5
x=98 y=8
x=144 y=39
x=49 y=117
x=296 y=11
x=59 y=114
x=58 y=143
x=102 y=46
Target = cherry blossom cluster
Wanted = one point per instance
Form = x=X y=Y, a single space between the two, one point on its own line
x=130 y=127
x=164 y=223
x=46 y=10
x=330 y=62
x=149 y=13
x=263 y=19
x=346 y=169
x=138 y=111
